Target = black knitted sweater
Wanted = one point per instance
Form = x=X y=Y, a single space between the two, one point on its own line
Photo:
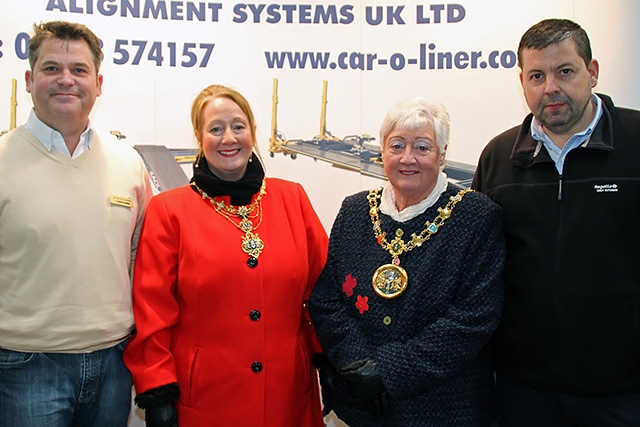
x=430 y=342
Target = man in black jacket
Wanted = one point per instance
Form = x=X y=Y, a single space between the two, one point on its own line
x=567 y=351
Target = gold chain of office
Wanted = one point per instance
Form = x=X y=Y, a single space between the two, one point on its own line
x=391 y=280
x=252 y=244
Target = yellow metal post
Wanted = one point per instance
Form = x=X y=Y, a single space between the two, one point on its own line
x=275 y=145
x=14 y=103
x=323 y=111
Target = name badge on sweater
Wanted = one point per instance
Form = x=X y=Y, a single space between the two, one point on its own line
x=127 y=202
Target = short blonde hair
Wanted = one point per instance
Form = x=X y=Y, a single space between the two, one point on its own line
x=219 y=91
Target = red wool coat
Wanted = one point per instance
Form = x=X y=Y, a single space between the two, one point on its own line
x=236 y=339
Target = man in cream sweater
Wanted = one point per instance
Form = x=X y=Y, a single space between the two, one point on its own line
x=71 y=204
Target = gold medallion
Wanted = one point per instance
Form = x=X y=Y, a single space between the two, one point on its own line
x=252 y=244
x=389 y=281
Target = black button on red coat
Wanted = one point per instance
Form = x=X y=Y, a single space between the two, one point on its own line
x=254 y=315
x=256 y=367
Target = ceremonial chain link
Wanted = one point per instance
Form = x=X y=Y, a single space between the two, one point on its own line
x=397 y=246
x=252 y=244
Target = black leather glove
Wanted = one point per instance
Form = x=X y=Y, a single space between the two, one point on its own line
x=160 y=405
x=329 y=381
x=365 y=386
x=164 y=415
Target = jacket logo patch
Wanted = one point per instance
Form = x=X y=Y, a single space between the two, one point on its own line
x=606 y=188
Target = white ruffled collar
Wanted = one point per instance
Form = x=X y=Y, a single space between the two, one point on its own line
x=388 y=200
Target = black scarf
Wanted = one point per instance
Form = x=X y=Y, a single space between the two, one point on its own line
x=241 y=191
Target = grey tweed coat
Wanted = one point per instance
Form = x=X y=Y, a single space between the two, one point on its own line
x=431 y=343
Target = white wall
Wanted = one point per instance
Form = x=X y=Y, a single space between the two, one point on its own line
x=150 y=103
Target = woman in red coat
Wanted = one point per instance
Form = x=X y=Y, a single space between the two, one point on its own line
x=223 y=271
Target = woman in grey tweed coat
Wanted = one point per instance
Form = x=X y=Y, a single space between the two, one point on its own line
x=404 y=317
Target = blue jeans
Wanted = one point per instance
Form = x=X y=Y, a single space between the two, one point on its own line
x=64 y=390
x=522 y=406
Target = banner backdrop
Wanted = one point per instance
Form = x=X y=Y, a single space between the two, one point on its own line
x=160 y=53
x=372 y=54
